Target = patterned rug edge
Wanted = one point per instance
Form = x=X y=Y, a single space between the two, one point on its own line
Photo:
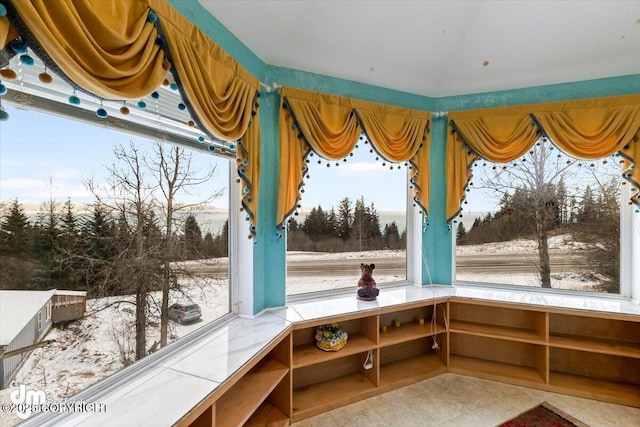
x=546 y=405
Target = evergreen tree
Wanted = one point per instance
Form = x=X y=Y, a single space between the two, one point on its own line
x=460 y=232
x=46 y=236
x=293 y=225
x=68 y=267
x=563 y=203
x=587 y=210
x=361 y=226
x=315 y=225
x=345 y=219
x=222 y=241
x=373 y=222
x=208 y=247
x=391 y=237
x=218 y=246
x=15 y=232
x=97 y=246
x=332 y=223
x=192 y=238
x=152 y=233
x=17 y=267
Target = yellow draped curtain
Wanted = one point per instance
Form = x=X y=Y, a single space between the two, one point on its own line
x=584 y=129
x=331 y=125
x=7 y=31
x=121 y=50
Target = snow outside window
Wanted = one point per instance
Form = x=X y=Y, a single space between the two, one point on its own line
x=352 y=211
x=543 y=221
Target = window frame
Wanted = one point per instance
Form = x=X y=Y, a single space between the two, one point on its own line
x=58 y=109
x=629 y=250
x=413 y=258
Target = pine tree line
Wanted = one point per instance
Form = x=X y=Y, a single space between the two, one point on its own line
x=64 y=250
x=354 y=227
x=513 y=218
x=592 y=218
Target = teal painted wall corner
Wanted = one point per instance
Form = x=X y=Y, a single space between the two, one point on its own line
x=613 y=86
x=347 y=88
x=269 y=264
x=437 y=243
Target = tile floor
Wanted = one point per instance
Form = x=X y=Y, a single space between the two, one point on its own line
x=453 y=400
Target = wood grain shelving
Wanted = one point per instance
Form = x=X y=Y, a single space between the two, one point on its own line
x=587 y=354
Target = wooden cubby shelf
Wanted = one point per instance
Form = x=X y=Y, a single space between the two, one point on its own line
x=501 y=332
x=327 y=395
x=409 y=331
x=408 y=371
x=514 y=324
x=495 y=370
x=237 y=405
x=612 y=347
x=587 y=354
x=310 y=354
x=598 y=389
x=617 y=337
x=268 y=415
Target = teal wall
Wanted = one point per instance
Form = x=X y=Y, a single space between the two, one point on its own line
x=269 y=249
x=437 y=243
x=613 y=86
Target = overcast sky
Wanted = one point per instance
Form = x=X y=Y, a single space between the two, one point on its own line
x=37 y=148
x=43 y=156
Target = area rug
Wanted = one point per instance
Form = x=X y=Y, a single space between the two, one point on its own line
x=543 y=415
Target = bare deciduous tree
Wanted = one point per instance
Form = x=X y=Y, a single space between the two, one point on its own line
x=128 y=196
x=174 y=174
x=531 y=184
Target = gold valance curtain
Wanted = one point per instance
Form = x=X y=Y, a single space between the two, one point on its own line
x=7 y=31
x=331 y=125
x=121 y=50
x=584 y=129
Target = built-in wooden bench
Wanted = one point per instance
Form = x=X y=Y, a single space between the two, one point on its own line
x=588 y=353
x=266 y=370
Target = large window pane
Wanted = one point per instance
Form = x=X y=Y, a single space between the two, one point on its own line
x=353 y=211
x=544 y=220
x=82 y=209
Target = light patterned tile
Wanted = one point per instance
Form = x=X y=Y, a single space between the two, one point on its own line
x=503 y=409
x=473 y=419
x=569 y=404
x=475 y=393
x=403 y=413
x=366 y=418
x=603 y=414
x=354 y=408
x=452 y=400
x=322 y=420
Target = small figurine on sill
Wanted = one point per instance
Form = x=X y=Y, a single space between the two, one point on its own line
x=367 y=289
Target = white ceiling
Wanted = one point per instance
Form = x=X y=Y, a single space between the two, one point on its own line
x=441 y=48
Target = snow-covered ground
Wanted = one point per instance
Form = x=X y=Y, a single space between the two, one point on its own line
x=103 y=342
x=561 y=244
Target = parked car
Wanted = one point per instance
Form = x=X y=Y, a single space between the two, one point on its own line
x=184 y=313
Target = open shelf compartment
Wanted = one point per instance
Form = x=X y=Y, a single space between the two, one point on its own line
x=237 y=405
x=498 y=359
x=515 y=324
x=362 y=336
x=331 y=384
x=407 y=325
x=596 y=375
x=598 y=335
x=412 y=361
